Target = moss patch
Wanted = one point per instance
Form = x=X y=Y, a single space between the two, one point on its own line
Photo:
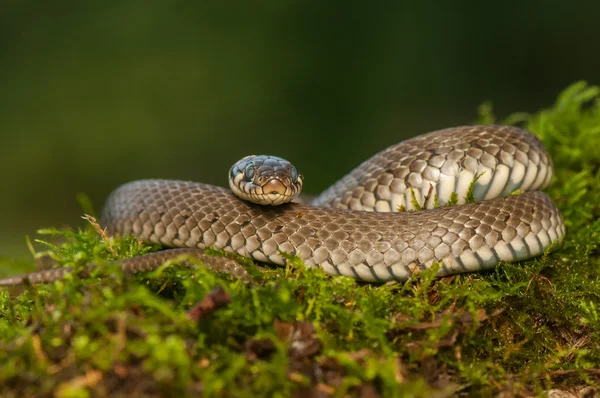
x=522 y=328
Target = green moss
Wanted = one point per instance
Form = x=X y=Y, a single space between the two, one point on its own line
x=415 y=202
x=520 y=328
x=470 y=196
x=453 y=201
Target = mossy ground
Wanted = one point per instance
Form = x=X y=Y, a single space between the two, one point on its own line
x=520 y=329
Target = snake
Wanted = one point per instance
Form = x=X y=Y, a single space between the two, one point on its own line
x=462 y=199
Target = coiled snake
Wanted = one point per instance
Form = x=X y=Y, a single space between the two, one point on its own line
x=362 y=226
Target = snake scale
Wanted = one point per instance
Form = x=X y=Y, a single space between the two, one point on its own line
x=362 y=226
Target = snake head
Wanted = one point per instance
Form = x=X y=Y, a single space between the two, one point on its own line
x=265 y=180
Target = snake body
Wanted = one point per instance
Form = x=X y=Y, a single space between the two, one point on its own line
x=362 y=225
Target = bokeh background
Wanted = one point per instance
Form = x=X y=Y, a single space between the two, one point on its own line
x=94 y=94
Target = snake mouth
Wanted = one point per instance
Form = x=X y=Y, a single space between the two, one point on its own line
x=274 y=187
x=275 y=192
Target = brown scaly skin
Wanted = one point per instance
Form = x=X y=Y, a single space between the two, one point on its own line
x=366 y=245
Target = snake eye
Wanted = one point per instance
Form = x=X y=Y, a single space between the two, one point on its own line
x=294 y=175
x=249 y=172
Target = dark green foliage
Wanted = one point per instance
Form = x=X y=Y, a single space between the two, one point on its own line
x=523 y=327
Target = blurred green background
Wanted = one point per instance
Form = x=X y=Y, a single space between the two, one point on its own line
x=95 y=94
